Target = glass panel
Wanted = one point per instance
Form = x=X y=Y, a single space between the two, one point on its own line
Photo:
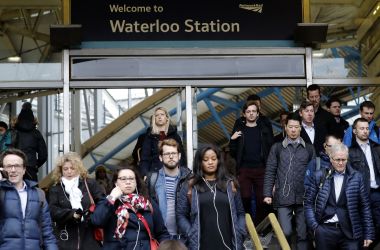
x=176 y=67
x=30 y=71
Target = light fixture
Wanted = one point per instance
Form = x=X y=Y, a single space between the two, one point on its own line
x=14 y=59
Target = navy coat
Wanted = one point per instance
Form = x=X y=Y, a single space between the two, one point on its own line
x=358 y=204
x=24 y=233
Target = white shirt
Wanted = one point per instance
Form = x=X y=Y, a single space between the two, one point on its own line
x=23 y=193
x=366 y=148
x=310 y=131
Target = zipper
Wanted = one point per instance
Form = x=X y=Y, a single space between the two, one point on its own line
x=232 y=218
x=199 y=220
x=78 y=238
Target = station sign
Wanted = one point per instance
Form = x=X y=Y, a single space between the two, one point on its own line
x=164 y=20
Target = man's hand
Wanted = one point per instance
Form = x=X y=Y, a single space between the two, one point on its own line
x=236 y=135
x=367 y=243
x=268 y=200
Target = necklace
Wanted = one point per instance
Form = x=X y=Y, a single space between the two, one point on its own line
x=211 y=187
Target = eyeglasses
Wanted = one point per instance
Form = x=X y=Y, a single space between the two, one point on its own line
x=125 y=179
x=339 y=160
x=15 y=166
x=170 y=154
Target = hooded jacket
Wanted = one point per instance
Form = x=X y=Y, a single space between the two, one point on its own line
x=28 y=139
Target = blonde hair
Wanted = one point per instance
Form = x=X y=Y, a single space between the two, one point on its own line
x=155 y=129
x=74 y=159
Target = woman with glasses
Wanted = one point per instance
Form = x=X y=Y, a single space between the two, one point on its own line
x=126 y=213
x=160 y=130
x=210 y=212
x=69 y=203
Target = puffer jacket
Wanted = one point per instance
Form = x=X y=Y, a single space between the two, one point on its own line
x=358 y=204
x=150 y=160
x=25 y=233
x=237 y=146
x=285 y=171
x=188 y=216
x=311 y=167
x=359 y=162
x=105 y=217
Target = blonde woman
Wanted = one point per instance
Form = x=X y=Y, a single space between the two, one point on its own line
x=161 y=129
x=69 y=202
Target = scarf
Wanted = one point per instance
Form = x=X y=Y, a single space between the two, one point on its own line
x=75 y=194
x=134 y=202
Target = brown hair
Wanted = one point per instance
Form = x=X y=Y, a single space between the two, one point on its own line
x=74 y=159
x=168 y=142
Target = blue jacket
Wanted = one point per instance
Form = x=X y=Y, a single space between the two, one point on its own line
x=188 y=217
x=104 y=216
x=373 y=134
x=24 y=233
x=160 y=189
x=311 y=167
x=358 y=204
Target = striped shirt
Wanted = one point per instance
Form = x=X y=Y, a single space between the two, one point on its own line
x=170 y=184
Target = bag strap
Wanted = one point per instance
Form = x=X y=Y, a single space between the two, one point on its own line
x=88 y=191
x=143 y=220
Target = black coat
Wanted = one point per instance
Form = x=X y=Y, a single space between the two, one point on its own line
x=359 y=162
x=62 y=214
x=150 y=160
x=237 y=146
x=319 y=138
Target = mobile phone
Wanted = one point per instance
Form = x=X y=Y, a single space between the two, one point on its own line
x=4 y=174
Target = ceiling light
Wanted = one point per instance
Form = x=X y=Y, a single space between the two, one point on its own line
x=14 y=59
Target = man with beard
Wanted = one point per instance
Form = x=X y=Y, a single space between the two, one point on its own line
x=249 y=145
x=334 y=107
x=162 y=185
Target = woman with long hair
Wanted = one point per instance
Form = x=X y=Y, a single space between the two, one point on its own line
x=120 y=214
x=160 y=130
x=210 y=212
x=69 y=202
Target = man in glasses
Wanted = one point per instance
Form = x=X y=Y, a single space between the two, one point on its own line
x=337 y=207
x=162 y=185
x=25 y=217
x=323 y=160
x=365 y=157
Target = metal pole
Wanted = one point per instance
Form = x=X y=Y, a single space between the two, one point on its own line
x=66 y=101
x=189 y=127
x=309 y=66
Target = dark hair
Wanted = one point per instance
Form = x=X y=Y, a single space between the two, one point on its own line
x=293 y=117
x=367 y=104
x=172 y=245
x=3 y=125
x=284 y=113
x=331 y=100
x=221 y=173
x=253 y=97
x=360 y=119
x=305 y=104
x=140 y=184
x=99 y=169
x=327 y=137
x=168 y=142
x=250 y=103
x=13 y=151
x=312 y=88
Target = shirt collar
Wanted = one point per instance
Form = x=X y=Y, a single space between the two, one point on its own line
x=23 y=187
x=305 y=126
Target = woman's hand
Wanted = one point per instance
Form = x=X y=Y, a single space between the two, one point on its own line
x=116 y=193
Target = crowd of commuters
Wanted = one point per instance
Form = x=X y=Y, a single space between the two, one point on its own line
x=320 y=176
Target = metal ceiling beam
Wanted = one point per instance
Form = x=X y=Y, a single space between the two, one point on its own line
x=30 y=4
x=335 y=2
x=24 y=32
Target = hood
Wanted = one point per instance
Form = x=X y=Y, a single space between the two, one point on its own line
x=25 y=120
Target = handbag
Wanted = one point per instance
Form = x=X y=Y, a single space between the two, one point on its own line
x=98 y=232
x=153 y=242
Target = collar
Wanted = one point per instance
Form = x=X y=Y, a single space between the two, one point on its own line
x=305 y=126
x=363 y=143
x=336 y=173
x=23 y=189
x=287 y=141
